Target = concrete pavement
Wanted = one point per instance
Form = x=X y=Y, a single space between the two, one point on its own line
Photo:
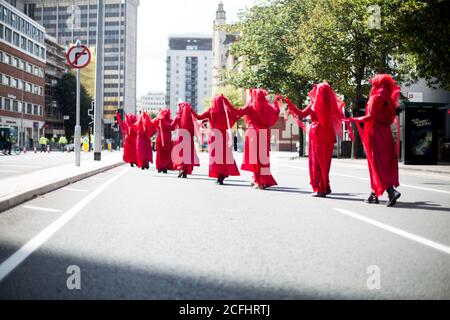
x=27 y=176
x=140 y=234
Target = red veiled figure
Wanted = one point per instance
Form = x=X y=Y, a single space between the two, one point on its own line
x=326 y=113
x=164 y=144
x=145 y=130
x=184 y=156
x=378 y=140
x=222 y=116
x=260 y=117
x=129 y=133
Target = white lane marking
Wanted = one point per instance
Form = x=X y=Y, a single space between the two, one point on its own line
x=74 y=190
x=41 y=209
x=367 y=179
x=8 y=171
x=23 y=253
x=397 y=231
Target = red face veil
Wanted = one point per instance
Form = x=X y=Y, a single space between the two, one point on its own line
x=384 y=86
x=327 y=107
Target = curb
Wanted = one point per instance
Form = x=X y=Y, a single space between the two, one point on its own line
x=18 y=199
x=400 y=167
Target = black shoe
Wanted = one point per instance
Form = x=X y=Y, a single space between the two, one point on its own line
x=394 y=195
x=320 y=195
x=184 y=175
x=132 y=165
x=159 y=171
x=164 y=171
x=180 y=174
x=328 y=191
x=372 y=199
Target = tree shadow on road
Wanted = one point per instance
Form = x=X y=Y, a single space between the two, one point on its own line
x=44 y=277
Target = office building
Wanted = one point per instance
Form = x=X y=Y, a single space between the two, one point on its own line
x=55 y=68
x=22 y=64
x=152 y=102
x=69 y=20
x=189 y=74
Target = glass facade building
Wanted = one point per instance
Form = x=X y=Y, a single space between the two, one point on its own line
x=70 y=20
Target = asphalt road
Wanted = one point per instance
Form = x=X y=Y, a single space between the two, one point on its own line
x=139 y=234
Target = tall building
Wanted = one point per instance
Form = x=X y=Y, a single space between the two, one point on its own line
x=222 y=41
x=22 y=64
x=55 y=68
x=70 y=20
x=189 y=73
x=152 y=102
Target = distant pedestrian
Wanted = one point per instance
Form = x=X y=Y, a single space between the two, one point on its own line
x=43 y=142
x=63 y=142
x=381 y=149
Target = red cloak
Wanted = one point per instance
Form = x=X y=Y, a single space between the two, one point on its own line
x=187 y=158
x=221 y=116
x=377 y=138
x=260 y=117
x=130 y=136
x=145 y=130
x=164 y=144
x=326 y=112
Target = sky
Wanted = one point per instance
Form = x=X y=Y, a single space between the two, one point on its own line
x=159 y=19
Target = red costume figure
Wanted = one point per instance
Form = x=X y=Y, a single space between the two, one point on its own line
x=145 y=130
x=184 y=156
x=129 y=134
x=164 y=144
x=260 y=117
x=222 y=116
x=378 y=140
x=326 y=112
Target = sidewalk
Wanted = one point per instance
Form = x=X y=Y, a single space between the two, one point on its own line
x=18 y=189
x=440 y=169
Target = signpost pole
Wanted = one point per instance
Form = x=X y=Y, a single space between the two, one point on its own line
x=78 y=126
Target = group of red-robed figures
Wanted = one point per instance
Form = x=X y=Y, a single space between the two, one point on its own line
x=325 y=112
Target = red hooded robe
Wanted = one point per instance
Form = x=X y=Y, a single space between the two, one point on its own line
x=377 y=138
x=221 y=116
x=260 y=117
x=145 y=130
x=184 y=120
x=130 y=136
x=326 y=112
x=164 y=144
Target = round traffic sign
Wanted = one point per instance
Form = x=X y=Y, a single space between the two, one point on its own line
x=78 y=56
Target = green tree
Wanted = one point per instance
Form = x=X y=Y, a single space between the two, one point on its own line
x=266 y=32
x=66 y=97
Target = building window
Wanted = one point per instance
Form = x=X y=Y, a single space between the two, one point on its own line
x=1 y=31
x=36 y=89
x=27 y=87
x=7 y=105
x=6 y=80
x=8 y=35
x=15 y=106
x=29 y=68
x=23 y=43
x=15 y=62
x=16 y=39
x=14 y=83
x=7 y=59
x=36 y=110
x=29 y=108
